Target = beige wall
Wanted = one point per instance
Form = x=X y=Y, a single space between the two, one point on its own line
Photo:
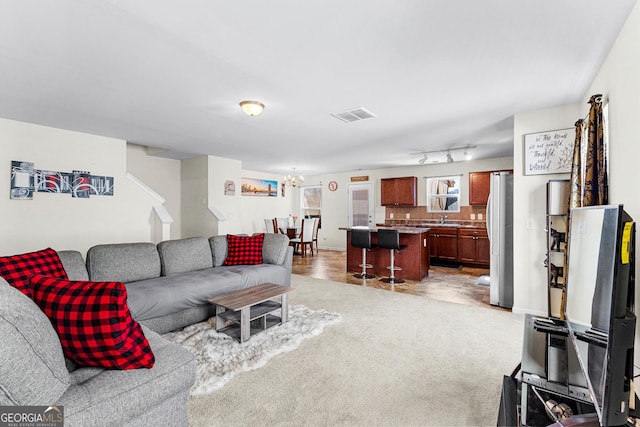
x=207 y=211
x=529 y=210
x=58 y=220
x=619 y=80
x=221 y=170
x=163 y=177
x=256 y=209
x=196 y=218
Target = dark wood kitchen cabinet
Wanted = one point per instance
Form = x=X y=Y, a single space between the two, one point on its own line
x=479 y=185
x=443 y=243
x=473 y=246
x=399 y=191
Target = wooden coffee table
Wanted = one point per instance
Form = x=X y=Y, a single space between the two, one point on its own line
x=250 y=310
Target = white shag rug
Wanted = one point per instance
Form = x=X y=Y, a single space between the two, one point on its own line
x=219 y=357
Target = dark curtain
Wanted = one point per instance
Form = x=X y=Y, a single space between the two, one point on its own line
x=589 y=182
x=575 y=200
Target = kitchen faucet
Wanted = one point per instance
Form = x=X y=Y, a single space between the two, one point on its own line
x=442 y=218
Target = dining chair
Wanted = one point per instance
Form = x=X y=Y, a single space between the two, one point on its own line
x=281 y=225
x=316 y=225
x=269 y=225
x=306 y=237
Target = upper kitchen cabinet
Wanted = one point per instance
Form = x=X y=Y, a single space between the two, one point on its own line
x=399 y=191
x=479 y=186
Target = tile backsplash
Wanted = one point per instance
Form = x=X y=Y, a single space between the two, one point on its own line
x=467 y=214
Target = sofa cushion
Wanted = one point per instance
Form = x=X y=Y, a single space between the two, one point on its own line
x=93 y=322
x=179 y=256
x=74 y=265
x=274 y=248
x=253 y=275
x=123 y=262
x=17 y=269
x=107 y=397
x=244 y=250
x=166 y=295
x=29 y=345
x=218 y=249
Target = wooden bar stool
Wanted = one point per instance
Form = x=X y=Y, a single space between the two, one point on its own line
x=361 y=238
x=390 y=239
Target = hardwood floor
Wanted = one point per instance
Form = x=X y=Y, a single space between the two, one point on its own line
x=443 y=283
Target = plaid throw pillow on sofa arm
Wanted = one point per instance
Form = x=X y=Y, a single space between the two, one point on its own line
x=18 y=269
x=93 y=322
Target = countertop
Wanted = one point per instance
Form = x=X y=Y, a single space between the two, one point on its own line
x=403 y=223
x=402 y=230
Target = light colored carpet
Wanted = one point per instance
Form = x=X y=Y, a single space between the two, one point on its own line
x=393 y=360
x=220 y=358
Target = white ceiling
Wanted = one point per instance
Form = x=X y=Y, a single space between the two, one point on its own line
x=170 y=74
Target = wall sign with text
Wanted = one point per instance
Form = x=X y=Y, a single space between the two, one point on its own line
x=549 y=152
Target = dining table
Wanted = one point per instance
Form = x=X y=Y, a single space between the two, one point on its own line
x=291 y=232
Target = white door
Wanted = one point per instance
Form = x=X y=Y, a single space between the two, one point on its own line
x=361 y=204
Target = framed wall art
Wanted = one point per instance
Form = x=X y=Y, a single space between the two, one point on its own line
x=53 y=182
x=549 y=152
x=259 y=187
x=26 y=180
x=229 y=188
x=22 y=180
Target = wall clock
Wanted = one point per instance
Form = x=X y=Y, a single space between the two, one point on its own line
x=333 y=186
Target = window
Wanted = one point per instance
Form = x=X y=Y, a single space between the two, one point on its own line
x=443 y=194
x=311 y=201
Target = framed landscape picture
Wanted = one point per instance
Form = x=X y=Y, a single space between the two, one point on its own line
x=259 y=187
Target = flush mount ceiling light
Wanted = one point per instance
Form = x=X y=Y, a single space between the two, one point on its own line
x=292 y=180
x=252 y=108
x=445 y=152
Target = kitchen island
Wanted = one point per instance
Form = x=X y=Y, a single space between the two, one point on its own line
x=414 y=260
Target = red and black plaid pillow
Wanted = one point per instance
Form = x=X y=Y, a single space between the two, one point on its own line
x=18 y=269
x=93 y=322
x=244 y=250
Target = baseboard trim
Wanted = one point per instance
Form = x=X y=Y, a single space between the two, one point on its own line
x=520 y=310
x=329 y=248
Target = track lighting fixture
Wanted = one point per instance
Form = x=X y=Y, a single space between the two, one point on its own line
x=445 y=154
x=467 y=155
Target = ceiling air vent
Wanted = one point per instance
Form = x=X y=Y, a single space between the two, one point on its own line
x=354 y=115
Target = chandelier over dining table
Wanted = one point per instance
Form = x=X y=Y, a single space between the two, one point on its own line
x=292 y=180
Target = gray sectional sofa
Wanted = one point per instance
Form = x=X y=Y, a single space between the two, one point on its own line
x=167 y=288
x=168 y=284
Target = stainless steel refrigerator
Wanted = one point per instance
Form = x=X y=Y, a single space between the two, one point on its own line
x=500 y=230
